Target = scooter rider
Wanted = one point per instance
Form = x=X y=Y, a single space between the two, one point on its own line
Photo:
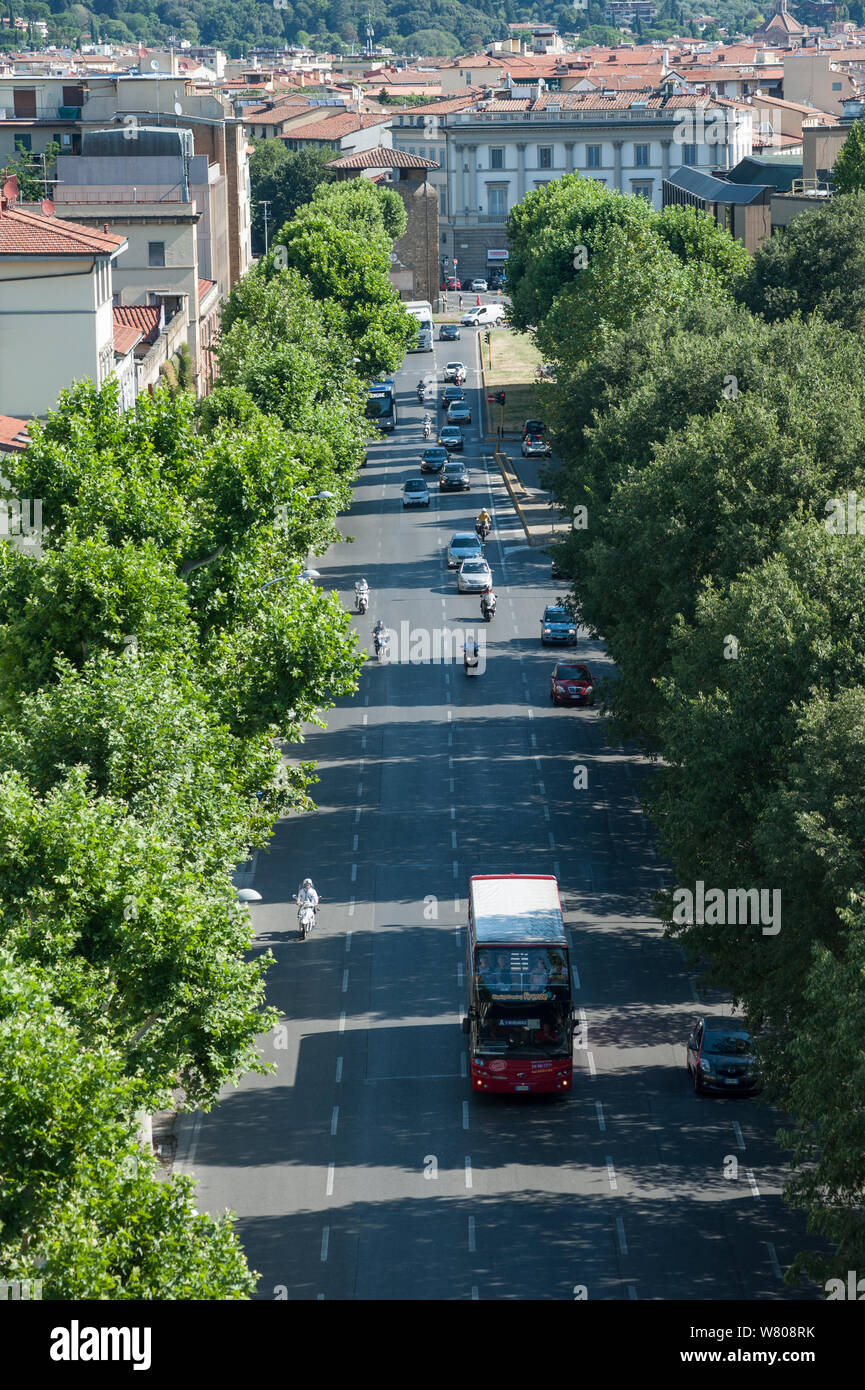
x=420 y=390
x=471 y=654
x=488 y=602
x=361 y=590
x=379 y=636
x=427 y=427
x=306 y=895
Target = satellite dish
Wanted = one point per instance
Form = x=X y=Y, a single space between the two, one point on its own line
x=154 y=63
x=10 y=189
x=178 y=109
x=47 y=207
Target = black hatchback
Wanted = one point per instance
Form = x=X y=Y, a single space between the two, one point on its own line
x=451 y=393
x=722 y=1057
x=433 y=460
x=454 y=478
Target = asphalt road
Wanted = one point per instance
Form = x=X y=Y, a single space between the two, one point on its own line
x=364 y=1168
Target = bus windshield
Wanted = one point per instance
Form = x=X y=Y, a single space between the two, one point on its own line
x=541 y=1031
x=379 y=407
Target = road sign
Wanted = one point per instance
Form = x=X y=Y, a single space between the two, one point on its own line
x=494 y=399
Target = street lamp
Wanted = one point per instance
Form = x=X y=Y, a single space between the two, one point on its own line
x=265 y=203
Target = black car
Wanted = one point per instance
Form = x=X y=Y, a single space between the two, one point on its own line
x=449 y=333
x=433 y=460
x=454 y=478
x=722 y=1057
x=451 y=393
x=534 y=427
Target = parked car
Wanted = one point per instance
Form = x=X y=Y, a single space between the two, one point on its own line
x=451 y=282
x=464 y=545
x=474 y=577
x=557 y=625
x=415 y=493
x=535 y=446
x=433 y=460
x=721 y=1056
x=460 y=413
x=479 y=285
x=483 y=314
x=454 y=477
x=451 y=393
x=449 y=333
x=571 y=684
x=454 y=370
x=451 y=437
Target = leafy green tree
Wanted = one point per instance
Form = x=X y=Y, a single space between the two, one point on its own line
x=286 y=179
x=817 y=264
x=848 y=175
x=82 y=1207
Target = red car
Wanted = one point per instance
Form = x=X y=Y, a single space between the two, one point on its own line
x=571 y=684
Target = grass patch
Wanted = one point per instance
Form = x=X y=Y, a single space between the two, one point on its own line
x=515 y=361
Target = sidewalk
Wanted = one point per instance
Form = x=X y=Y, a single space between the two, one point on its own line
x=538 y=515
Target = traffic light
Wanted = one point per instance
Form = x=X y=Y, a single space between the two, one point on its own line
x=487 y=336
x=501 y=398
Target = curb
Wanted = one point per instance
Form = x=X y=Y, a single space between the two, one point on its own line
x=503 y=462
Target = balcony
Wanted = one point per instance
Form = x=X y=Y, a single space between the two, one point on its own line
x=478 y=219
x=41 y=113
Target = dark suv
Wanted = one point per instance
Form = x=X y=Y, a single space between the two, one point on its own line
x=451 y=393
x=722 y=1057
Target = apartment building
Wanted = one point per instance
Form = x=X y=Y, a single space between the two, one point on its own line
x=496 y=150
x=35 y=111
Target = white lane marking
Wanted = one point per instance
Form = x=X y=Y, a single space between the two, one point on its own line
x=360 y=766
x=353 y=872
x=360 y=788
x=325 y=1241
x=737 y=1130
x=450 y=738
x=339 y=1071
x=456 y=868
x=365 y=718
x=475 y=1296
x=453 y=839
x=334 y=1119
x=342 y=1023
x=468 y=1171
x=546 y=813
x=551 y=839
x=345 y=980
x=457 y=929
x=593 y=1071
x=471 y=1234
x=366 y=699
x=541 y=788
x=456 y=909
x=534 y=740
x=463 y=1066
x=556 y=869
x=602 y=1124
x=773 y=1259
x=453 y=810
x=611 y=1174
x=632 y=1291
x=354 y=843
x=531 y=714
x=538 y=764
x=752 y=1183
x=459 y=973
x=351 y=907
x=620 y=1232
x=363 y=741
x=448 y=697
x=330 y=1172
x=465 y=1114
x=356 y=814
x=451 y=782
x=348 y=940
x=450 y=714
x=576 y=974
x=450 y=764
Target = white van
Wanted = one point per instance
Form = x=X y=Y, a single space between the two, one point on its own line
x=483 y=313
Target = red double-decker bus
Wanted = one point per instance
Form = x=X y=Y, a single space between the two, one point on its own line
x=520 y=1022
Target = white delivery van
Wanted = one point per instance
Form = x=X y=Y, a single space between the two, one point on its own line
x=484 y=313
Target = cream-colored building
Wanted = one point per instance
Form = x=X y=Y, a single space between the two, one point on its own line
x=56 y=323
x=815 y=79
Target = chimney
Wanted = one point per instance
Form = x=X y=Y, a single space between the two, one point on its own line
x=105 y=227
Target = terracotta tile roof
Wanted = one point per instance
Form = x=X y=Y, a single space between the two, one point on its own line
x=204 y=288
x=13 y=435
x=382 y=158
x=32 y=234
x=335 y=127
x=125 y=338
x=143 y=317
x=286 y=111
x=466 y=98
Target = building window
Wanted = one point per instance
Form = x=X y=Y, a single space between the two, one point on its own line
x=411 y=149
x=496 y=202
x=443 y=202
x=641 y=190
x=545 y=156
x=689 y=154
x=641 y=156
x=497 y=159
x=23 y=142
x=836 y=86
x=593 y=156
x=24 y=103
x=156 y=253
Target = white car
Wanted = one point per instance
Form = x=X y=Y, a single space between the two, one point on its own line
x=484 y=313
x=464 y=545
x=479 y=284
x=474 y=577
x=454 y=371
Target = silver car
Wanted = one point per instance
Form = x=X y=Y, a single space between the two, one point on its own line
x=464 y=546
x=474 y=577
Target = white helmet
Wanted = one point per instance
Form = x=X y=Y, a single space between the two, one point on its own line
x=307 y=883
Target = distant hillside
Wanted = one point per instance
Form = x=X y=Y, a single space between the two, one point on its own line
x=436 y=27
